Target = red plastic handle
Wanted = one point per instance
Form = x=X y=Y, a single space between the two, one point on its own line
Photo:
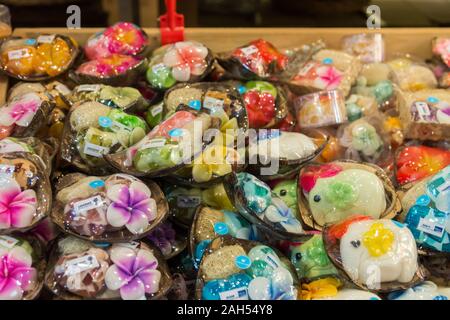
x=171 y=11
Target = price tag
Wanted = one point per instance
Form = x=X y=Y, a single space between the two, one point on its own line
x=432 y=226
x=234 y=294
x=423 y=109
x=78 y=265
x=18 y=54
x=156 y=110
x=8 y=242
x=186 y=201
x=95 y=150
x=154 y=143
x=87 y=204
x=249 y=50
x=212 y=103
x=117 y=126
x=46 y=38
x=88 y=88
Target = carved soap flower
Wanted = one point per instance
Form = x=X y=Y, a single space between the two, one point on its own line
x=20 y=112
x=131 y=206
x=186 y=58
x=16 y=274
x=134 y=273
x=328 y=77
x=378 y=240
x=17 y=208
x=366 y=139
x=341 y=194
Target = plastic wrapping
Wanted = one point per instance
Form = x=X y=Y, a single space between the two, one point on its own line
x=170 y=146
x=429 y=217
x=415 y=162
x=24 y=115
x=425 y=291
x=42 y=58
x=365 y=140
x=113 y=208
x=258 y=59
x=425 y=114
x=326 y=70
x=411 y=75
x=440 y=48
x=320 y=109
x=121 y=38
x=234 y=269
x=210 y=223
x=78 y=269
x=331 y=192
x=368 y=47
x=125 y=98
x=185 y=61
x=5 y=22
x=375 y=254
x=25 y=191
x=93 y=130
x=23 y=267
x=257 y=203
x=330 y=289
x=168 y=239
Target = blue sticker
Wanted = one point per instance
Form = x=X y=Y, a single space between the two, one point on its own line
x=195 y=104
x=243 y=262
x=96 y=184
x=440 y=298
x=398 y=224
x=102 y=244
x=327 y=61
x=374 y=298
x=177 y=132
x=433 y=100
x=241 y=89
x=30 y=42
x=221 y=228
x=423 y=200
x=104 y=122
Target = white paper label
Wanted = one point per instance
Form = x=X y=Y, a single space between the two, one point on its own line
x=78 y=265
x=212 y=103
x=234 y=294
x=431 y=226
x=8 y=242
x=46 y=38
x=62 y=89
x=249 y=50
x=88 y=88
x=95 y=150
x=157 y=110
x=154 y=143
x=304 y=71
x=185 y=201
x=87 y=204
x=18 y=54
x=117 y=126
x=157 y=67
x=7 y=170
x=422 y=109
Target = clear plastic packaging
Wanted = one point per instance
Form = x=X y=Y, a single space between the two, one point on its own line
x=26 y=195
x=427 y=290
x=168 y=239
x=23 y=262
x=441 y=49
x=411 y=75
x=79 y=269
x=93 y=130
x=183 y=203
x=329 y=193
x=257 y=60
x=25 y=115
x=5 y=22
x=425 y=114
x=112 y=208
x=35 y=59
x=320 y=109
x=185 y=61
x=326 y=70
x=368 y=47
x=332 y=289
x=375 y=254
x=234 y=269
x=257 y=203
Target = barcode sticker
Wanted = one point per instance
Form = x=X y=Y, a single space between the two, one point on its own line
x=249 y=50
x=156 y=110
x=81 y=264
x=8 y=242
x=18 y=54
x=234 y=294
x=95 y=150
x=117 y=126
x=154 y=143
x=423 y=109
x=186 y=201
x=212 y=103
x=46 y=38
x=88 y=204
x=88 y=88
x=432 y=226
